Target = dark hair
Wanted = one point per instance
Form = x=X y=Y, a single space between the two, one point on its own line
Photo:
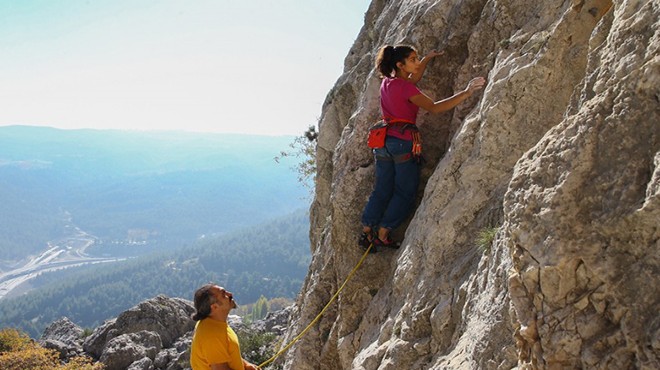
x=388 y=56
x=203 y=300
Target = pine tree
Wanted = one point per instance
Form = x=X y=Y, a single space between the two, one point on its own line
x=261 y=308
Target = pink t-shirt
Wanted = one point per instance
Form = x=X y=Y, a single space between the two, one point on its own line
x=394 y=103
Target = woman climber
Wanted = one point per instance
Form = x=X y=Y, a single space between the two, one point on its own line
x=397 y=164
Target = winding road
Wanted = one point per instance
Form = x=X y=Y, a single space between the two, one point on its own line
x=64 y=253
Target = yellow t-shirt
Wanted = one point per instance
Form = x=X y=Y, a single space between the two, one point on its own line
x=214 y=342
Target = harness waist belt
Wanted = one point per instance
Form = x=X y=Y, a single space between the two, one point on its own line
x=396 y=158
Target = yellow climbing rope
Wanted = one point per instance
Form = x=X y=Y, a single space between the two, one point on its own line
x=294 y=340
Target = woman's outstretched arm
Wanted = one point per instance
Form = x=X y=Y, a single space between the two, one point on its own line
x=415 y=77
x=424 y=102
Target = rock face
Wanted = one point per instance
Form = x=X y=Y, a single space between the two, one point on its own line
x=560 y=153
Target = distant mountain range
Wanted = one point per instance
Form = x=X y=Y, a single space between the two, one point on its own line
x=137 y=192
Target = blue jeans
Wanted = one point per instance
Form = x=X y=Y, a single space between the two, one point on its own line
x=397 y=180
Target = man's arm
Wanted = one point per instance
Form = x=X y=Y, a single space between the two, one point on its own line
x=249 y=366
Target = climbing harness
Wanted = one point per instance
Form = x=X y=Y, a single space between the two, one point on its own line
x=403 y=129
x=294 y=340
x=395 y=158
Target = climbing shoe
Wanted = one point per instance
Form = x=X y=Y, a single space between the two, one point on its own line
x=387 y=243
x=365 y=240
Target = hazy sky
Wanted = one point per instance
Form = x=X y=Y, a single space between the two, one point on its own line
x=249 y=66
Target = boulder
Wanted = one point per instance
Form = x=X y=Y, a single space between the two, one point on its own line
x=64 y=350
x=143 y=364
x=65 y=331
x=181 y=362
x=167 y=317
x=128 y=349
x=179 y=358
x=63 y=336
x=164 y=357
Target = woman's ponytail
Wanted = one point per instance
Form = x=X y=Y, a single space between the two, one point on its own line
x=383 y=60
x=388 y=56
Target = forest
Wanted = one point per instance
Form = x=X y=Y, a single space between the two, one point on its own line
x=269 y=260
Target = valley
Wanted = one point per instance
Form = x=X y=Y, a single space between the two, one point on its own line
x=70 y=251
x=173 y=210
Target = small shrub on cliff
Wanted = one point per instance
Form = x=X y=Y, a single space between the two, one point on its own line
x=304 y=148
x=19 y=352
x=485 y=238
x=86 y=333
x=505 y=43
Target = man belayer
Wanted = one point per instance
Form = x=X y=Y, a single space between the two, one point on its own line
x=215 y=345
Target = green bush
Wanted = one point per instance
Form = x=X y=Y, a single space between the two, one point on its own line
x=485 y=238
x=257 y=347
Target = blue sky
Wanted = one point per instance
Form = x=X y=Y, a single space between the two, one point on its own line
x=247 y=66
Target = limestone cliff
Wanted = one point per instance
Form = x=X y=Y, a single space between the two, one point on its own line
x=560 y=152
